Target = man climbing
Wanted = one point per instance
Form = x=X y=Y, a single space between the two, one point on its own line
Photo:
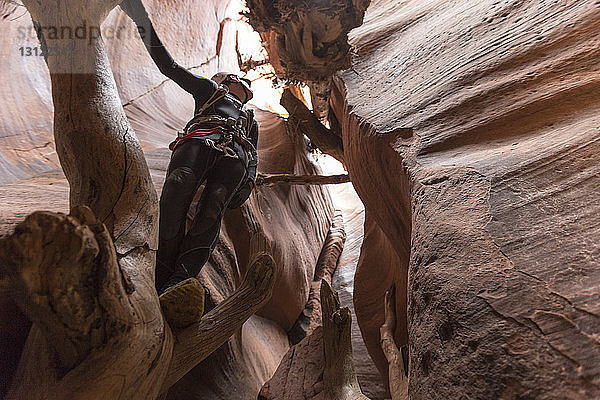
x=217 y=146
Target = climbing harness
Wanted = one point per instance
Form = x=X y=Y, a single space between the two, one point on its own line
x=230 y=129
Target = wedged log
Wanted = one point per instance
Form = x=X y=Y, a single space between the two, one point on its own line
x=319 y=98
x=310 y=39
x=67 y=279
x=99 y=152
x=327 y=263
x=304 y=121
x=321 y=366
x=195 y=343
x=287 y=179
x=308 y=42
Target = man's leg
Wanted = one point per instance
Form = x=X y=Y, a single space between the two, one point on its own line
x=188 y=168
x=222 y=182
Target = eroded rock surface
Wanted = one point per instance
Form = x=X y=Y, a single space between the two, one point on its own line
x=470 y=133
x=287 y=384
x=477 y=127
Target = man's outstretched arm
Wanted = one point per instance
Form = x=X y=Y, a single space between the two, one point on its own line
x=137 y=12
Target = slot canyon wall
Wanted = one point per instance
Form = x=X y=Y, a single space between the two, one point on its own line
x=296 y=219
x=492 y=111
x=471 y=134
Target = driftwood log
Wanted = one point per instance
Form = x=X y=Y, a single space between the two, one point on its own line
x=327 y=263
x=305 y=122
x=86 y=279
x=198 y=341
x=339 y=376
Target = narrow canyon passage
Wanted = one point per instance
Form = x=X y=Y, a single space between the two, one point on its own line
x=469 y=133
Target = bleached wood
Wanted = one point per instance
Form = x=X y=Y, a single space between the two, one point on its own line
x=339 y=376
x=195 y=343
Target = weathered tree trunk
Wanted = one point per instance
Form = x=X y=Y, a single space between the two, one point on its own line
x=327 y=263
x=106 y=170
x=308 y=42
x=339 y=376
x=67 y=277
x=321 y=366
x=86 y=280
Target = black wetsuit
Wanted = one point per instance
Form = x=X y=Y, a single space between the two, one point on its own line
x=229 y=180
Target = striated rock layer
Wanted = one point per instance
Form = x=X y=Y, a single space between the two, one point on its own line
x=296 y=219
x=471 y=135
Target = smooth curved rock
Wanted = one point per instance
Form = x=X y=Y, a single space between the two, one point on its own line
x=477 y=126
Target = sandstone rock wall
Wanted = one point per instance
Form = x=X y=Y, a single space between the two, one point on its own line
x=471 y=135
x=26 y=146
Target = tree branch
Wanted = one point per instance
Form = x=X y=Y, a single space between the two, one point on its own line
x=115 y=183
x=332 y=249
x=289 y=179
x=327 y=263
x=319 y=97
x=198 y=341
x=308 y=124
